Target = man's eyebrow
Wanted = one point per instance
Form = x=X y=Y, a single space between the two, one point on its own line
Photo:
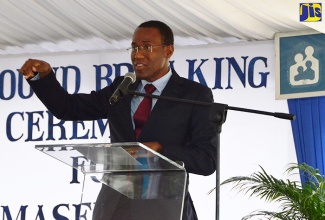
x=143 y=42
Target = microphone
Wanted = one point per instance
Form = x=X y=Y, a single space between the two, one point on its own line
x=122 y=89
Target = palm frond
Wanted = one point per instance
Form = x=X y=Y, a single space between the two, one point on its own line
x=298 y=201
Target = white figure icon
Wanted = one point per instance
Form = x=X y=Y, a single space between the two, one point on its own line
x=304 y=71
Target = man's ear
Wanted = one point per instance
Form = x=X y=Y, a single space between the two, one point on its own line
x=169 y=50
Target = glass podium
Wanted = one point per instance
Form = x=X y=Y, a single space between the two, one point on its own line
x=126 y=180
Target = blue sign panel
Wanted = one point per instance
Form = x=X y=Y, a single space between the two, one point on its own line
x=300 y=65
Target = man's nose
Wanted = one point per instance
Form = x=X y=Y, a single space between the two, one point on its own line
x=139 y=54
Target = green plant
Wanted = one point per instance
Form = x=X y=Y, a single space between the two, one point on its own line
x=297 y=201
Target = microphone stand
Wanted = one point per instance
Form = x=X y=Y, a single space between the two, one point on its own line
x=217 y=115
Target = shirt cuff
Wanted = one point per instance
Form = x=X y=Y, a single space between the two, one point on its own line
x=36 y=77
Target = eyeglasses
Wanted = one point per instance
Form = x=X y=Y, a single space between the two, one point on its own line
x=142 y=48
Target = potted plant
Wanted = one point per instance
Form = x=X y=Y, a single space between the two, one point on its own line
x=297 y=201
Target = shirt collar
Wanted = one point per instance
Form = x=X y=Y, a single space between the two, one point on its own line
x=159 y=83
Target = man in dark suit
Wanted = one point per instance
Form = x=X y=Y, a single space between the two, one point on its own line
x=181 y=132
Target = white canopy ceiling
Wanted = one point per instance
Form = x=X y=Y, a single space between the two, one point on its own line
x=41 y=26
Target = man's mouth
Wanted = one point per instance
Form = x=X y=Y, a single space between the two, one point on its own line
x=139 y=66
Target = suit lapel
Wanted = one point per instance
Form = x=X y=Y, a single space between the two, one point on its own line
x=126 y=111
x=172 y=89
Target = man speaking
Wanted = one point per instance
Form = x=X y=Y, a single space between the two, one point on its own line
x=179 y=131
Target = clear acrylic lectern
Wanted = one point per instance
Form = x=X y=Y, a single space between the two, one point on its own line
x=149 y=185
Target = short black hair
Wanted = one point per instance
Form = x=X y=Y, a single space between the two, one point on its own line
x=166 y=32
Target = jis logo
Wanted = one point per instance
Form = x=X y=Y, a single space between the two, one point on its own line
x=310 y=12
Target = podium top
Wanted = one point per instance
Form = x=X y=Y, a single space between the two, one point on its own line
x=111 y=157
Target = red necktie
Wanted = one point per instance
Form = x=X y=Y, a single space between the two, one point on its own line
x=142 y=113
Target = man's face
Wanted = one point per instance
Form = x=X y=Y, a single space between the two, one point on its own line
x=148 y=65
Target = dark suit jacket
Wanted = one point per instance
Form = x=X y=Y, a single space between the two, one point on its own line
x=183 y=129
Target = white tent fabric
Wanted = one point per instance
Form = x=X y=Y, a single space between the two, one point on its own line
x=42 y=26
